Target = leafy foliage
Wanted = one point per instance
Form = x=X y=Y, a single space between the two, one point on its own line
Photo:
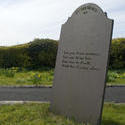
x=41 y=53
x=112 y=76
x=36 y=54
x=116 y=76
x=14 y=57
x=117 y=56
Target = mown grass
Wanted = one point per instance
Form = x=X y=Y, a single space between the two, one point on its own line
x=39 y=114
x=113 y=114
x=16 y=76
x=31 y=114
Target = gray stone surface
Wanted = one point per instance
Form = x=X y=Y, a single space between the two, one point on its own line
x=81 y=65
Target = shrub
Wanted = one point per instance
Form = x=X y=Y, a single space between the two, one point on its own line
x=15 y=56
x=117 y=55
x=112 y=76
x=36 y=54
x=42 y=53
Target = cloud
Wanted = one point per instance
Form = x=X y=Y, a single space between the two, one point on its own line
x=23 y=20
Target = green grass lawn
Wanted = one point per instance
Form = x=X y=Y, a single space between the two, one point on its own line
x=14 y=76
x=114 y=114
x=39 y=114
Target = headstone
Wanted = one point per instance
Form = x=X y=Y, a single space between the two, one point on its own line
x=81 y=65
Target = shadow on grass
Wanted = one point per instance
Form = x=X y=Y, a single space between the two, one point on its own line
x=110 y=122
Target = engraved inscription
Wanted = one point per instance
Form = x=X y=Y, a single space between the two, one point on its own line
x=79 y=60
x=85 y=9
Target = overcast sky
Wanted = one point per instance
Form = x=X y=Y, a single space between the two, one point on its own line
x=23 y=20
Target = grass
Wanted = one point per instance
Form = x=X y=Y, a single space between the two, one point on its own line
x=15 y=76
x=26 y=77
x=31 y=114
x=39 y=114
x=114 y=114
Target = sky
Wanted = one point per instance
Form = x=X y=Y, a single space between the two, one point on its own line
x=21 y=21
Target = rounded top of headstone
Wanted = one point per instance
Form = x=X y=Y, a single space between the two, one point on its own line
x=89 y=8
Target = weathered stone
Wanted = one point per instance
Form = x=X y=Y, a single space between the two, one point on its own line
x=81 y=65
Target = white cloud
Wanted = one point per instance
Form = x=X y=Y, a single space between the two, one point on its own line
x=23 y=20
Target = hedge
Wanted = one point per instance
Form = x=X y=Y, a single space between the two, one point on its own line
x=42 y=53
x=36 y=54
x=14 y=57
x=117 y=55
